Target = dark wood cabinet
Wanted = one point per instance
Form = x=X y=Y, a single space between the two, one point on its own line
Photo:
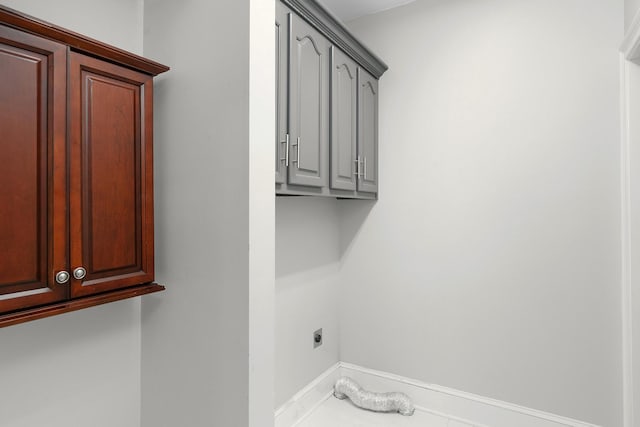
x=76 y=218
x=111 y=176
x=33 y=225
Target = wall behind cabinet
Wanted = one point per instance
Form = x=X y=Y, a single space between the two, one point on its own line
x=210 y=334
x=497 y=232
x=61 y=371
x=307 y=289
x=630 y=9
x=116 y=22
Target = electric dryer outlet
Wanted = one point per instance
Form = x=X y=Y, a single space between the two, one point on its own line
x=317 y=338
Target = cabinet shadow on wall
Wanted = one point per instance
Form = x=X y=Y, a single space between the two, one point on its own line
x=77 y=334
x=314 y=233
x=353 y=216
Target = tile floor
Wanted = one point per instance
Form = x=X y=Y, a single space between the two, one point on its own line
x=342 y=413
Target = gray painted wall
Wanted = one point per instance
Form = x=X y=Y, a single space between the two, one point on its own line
x=634 y=232
x=491 y=262
x=117 y=22
x=630 y=9
x=631 y=204
x=214 y=217
x=307 y=290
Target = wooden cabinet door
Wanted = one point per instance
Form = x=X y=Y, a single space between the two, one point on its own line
x=368 y=131
x=308 y=105
x=33 y=188
x=344 y=111
x=282 y=89
x=111 y=176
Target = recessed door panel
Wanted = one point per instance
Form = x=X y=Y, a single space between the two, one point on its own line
x=344 y=101
x=111 y=183
x=308 y=121
x=368 y=131
x=112 y=176
x=32 y=181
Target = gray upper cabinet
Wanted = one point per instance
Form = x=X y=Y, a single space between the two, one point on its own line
x=326 y=141
x=367 y=132
x=308 y=105
x=282 y=77
x=344 y=111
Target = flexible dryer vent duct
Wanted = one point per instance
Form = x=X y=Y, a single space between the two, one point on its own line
x=379 y=402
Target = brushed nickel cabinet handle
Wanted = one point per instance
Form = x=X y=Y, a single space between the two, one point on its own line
x=297 y=160
x=285 y=159
x=365 y=169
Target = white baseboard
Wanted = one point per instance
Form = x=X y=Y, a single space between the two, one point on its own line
x=457 y=405
x=308 y=399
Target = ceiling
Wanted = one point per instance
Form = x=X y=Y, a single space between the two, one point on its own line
x=347 y=10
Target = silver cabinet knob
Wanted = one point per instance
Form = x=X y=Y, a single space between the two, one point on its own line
x=62 y=277
x=79 y=273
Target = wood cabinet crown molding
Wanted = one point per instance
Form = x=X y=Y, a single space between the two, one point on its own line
x=78 y=42
x=334 y=30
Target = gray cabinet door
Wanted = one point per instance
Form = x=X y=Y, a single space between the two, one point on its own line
x=368 y=131
x=283 y=18
x=344 y=111
x=308 y=105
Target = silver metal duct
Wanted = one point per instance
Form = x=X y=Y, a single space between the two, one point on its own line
x=379 y=402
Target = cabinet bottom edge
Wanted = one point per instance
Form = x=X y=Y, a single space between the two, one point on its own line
x=61 y=307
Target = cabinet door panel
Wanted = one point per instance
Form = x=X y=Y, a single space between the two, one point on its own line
x=308 y=105
x=33 y=179
x=368 y=131
x=344 y=100
x=111 y=176
x=282 y=74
